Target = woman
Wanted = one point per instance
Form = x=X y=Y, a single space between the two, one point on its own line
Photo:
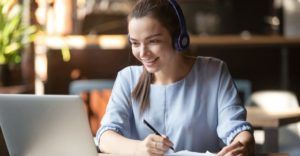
x=192 y=101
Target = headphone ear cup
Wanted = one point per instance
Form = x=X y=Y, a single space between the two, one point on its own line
x=182 y=42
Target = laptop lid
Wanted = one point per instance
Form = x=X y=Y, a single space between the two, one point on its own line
x=45 y=125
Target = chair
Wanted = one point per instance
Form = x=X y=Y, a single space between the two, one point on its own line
x=273 y=101
x=244 y=88
x=95 y=94
x=79 y=86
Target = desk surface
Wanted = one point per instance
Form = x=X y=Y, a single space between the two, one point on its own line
x=260 y=118
x=265 y=154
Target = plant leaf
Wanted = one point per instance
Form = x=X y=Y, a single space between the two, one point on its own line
x=12 y=48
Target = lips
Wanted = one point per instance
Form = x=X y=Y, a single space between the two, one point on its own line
x=149 y=62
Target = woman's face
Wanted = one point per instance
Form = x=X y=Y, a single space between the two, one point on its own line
x=151 y=43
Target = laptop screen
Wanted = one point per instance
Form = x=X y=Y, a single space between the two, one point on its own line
x=45 y=125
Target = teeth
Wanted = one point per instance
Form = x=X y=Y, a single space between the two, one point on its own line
x=148 y=61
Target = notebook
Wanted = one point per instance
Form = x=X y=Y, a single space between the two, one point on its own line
x=45 y=125
x=190 y=153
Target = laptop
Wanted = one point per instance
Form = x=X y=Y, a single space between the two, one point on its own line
x=45 y=125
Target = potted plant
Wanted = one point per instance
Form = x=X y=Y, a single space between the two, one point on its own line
x=14 y=35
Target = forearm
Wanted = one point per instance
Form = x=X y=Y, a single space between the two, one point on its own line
x=244 y=137
x=112 y=142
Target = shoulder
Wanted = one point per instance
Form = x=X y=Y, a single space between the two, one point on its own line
x=131 y=74
x=210 y=61
x=209 y=64
x=131 y=71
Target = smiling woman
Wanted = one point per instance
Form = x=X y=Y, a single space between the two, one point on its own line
x=150 y=43
x=192 y=101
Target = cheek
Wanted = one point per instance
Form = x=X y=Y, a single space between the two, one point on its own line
x=135 y=53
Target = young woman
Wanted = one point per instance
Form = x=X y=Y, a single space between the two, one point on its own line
x=192 y=101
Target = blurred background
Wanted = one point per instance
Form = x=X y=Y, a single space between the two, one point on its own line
x=64 y=41
x=86 y=39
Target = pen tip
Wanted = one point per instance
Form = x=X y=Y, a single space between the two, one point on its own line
x=172 y=148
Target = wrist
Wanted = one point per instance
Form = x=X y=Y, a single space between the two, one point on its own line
x=244 y=137
x=136 y=147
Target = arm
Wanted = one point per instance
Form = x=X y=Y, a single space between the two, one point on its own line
x=151 y=145
x=115 y=133
x=232 y=128
x=110 y=140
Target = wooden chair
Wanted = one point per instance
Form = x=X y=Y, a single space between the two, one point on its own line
x=95 y=94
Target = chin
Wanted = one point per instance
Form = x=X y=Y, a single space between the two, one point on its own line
x=151 y=70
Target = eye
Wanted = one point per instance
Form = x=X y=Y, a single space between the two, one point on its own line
x=134 y=43
x=154 y=41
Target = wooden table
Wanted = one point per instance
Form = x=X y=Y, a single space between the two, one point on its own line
x=270 y=123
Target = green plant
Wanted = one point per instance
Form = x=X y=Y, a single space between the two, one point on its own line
x=14 y=34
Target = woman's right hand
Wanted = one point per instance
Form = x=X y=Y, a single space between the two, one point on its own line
x=154 y=145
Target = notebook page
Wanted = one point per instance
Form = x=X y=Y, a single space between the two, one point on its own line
x=189 y=153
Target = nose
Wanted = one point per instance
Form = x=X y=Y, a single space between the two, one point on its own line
x=143 y=50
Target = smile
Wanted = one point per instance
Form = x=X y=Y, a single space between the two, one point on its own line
x=149 y=61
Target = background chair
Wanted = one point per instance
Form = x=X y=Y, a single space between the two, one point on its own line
x=244 y=88
x=275 y=102
x=95 y=94
x=79 y=86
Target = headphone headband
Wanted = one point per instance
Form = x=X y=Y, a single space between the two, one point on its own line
x=182 y=41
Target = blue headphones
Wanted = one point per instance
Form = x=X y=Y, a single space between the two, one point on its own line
x=182 y=41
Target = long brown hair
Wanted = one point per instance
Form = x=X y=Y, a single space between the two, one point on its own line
x=162 y=11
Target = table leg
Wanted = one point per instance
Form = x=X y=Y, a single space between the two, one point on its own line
x=271 y=140
x=284 y=68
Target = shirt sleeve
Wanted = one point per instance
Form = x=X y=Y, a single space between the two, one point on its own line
x=232 y=113
x=118 y=111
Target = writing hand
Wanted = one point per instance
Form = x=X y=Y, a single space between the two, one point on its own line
x=154 y=145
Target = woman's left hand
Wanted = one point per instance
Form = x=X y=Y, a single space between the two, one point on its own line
x=242 y=145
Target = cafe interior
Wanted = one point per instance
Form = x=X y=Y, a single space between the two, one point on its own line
x=78 y=47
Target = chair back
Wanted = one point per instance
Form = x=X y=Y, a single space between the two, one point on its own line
x=95 y=94
x=244 y=88
x=274 y=100
x=79 y=86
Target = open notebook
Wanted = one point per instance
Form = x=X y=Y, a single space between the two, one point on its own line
x=189 y=153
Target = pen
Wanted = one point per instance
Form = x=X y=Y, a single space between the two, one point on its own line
x=154 y=130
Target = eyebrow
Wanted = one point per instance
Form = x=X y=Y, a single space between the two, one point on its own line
x=151 y=36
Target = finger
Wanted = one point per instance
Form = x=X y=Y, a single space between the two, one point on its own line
x=161 y=146
x=162 y=140
x=157 y=138
x=167 y=141
x=237 y=151
x=156 y=151
x=229 y=148
x=153 y=144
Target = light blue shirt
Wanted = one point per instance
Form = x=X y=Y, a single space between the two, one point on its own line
x=198 y=113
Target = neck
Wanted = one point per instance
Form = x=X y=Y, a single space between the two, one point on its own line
x=175 y=71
